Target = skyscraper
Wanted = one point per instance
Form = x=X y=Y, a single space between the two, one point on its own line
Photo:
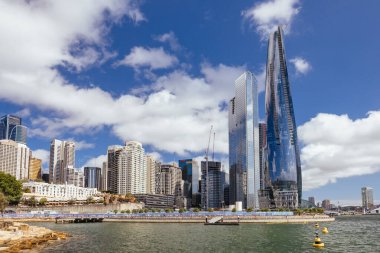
x=190 y=175
x=35 y=168
x=283 y=182
x=62 y=157
x=262 y=144
x=12 y=129
x=92 y=177
x=214 y=196
x=152 y=168
x=367 y=197
x=244 y=157
x=113 y=153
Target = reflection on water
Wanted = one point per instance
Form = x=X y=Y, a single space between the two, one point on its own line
x=347 y=234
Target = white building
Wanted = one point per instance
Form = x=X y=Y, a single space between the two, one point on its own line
x=152 y=168
x=14 y=159
x=132 y=172
x=62 y=157
x=58 y=192
x=75 y=177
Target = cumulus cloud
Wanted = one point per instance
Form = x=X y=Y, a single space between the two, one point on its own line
x=302 y=66
x=153 y=58
x=171 y=39
x=155 y=155
x=336 y=146
x=267 y=15
x=96 y=161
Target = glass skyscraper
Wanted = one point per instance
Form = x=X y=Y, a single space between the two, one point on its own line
x=244 y=157
x=283 y=182
x=12 y=129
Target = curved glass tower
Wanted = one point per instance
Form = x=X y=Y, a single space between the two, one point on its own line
x=283 y=182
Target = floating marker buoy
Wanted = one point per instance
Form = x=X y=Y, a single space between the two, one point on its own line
x=324 y=230
x=318 y=243
x=316 y=225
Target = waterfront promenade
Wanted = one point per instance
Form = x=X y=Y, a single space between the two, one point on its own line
x=187 y=217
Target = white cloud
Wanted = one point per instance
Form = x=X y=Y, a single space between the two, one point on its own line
x=155 y=155
x=42 y=154
x=260 y=78
x=96 y=161
x=267 y=15
x=80 y=145
x=154 y=58
x=171 y=39
x=336 y=146
x=302 y=66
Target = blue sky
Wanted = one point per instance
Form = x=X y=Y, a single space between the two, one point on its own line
x=160 y=72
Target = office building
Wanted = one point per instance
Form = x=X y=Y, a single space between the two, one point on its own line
x=92 y=177
x=367 y=198
x=12 y=129
x=75 y=177
x=312 y=200
x=244 y=157
x=62 y=157
x=262 y=145
x=35 y=168
x=191 y=176
x=326 y=204
x=14 y=159
x=152 y=168
x=283 y=181
x=169 y=180
x=212 y=195
x=132 y=173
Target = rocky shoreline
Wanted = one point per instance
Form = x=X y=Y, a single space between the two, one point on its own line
x=17 y=237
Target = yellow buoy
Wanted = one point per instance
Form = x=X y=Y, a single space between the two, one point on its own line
x=318 y=243
x=316 y=225
x=324 y=230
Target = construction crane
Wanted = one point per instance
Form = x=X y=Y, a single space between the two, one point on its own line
x=206 y=158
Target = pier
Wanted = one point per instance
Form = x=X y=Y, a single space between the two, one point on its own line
x=59 y=220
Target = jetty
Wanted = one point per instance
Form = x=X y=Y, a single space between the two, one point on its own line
x=59 y=220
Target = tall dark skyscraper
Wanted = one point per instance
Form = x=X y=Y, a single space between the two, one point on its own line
x=12 y=129
x=283 y=182
x=262 y=144
x=243 y=134
x=92 y=177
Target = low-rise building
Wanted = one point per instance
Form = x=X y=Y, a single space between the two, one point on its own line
x=156 y=200
x=58 y=192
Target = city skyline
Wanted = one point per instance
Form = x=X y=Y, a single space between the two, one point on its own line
x=141 y=73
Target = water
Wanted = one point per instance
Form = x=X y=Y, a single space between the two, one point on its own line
x=347 y=234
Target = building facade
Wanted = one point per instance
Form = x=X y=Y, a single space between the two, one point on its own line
x=75 y=177
x=212 y=185
x=132 y=172
x=12 y=129
x=113 y=153
x=262 y=145
x=152 y=168
x=14 y=159
x=104 y=177
x=92 y=177
x=367 y=197
x=62 y=157
x=283 y=180
x=59 y=192
x=191 y=177
x=35 y=168
x=244 y=157
x=169 y=180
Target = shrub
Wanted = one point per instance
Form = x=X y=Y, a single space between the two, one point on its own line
x=234 y=210
x=249 y=209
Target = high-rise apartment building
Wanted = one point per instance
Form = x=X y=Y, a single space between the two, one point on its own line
x=75 y=177
x=152 y=168
x=283 y=182
x=113 y=154
x=212 y=195
x=326 y=204
x=367 y=197
x=35 y=168
x=14 y=159
x=312 y=200
x=92 y=177
x=169 y=180
x=244 y=157
x=62 y=157
x=12 y=129
x=104 y=177
x=132 y=173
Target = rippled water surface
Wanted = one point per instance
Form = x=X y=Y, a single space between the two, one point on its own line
x=347 y=234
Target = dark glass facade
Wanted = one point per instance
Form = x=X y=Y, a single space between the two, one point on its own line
x=12 y=129
x=283 y=182
x=244 y=158
x=215 y=185
x=92 y=177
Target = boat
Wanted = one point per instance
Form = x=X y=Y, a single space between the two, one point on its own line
x=219 y=221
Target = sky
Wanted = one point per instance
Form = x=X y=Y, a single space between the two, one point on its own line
x=161 y=72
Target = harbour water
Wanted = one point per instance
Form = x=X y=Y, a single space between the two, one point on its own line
x=347 y=234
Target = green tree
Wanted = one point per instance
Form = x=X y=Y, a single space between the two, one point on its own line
x=196 y=210
x=181 y=210
x=43 y=201
x=11 y=188
x=128 y=211
x=31 y=201
x=234 y=210
x=27 y=190
x=3 y=202
x=210 y=210
x=249 y=209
